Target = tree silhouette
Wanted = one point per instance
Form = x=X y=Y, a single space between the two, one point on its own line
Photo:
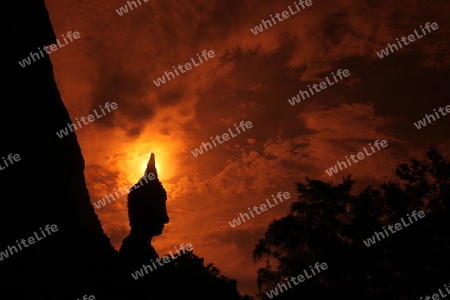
x=187 y=276
x=205 y=282
x=329 y=224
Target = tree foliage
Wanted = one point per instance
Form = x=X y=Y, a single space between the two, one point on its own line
x=189 y=277
x=329 y=224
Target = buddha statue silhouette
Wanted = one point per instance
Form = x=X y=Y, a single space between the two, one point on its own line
x=147 y=214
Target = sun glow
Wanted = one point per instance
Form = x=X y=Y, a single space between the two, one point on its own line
x=133 y=161
x=160 y=162
x=145 y=162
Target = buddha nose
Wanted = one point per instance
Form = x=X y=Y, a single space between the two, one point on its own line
x=166 y=219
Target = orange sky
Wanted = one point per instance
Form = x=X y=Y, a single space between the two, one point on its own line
x=250 y=78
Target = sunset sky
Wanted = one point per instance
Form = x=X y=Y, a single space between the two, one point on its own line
x=251 y=79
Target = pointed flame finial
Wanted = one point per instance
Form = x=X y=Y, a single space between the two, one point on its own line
x=151 y=166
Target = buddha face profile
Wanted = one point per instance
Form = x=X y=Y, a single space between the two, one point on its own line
x=158 y=218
